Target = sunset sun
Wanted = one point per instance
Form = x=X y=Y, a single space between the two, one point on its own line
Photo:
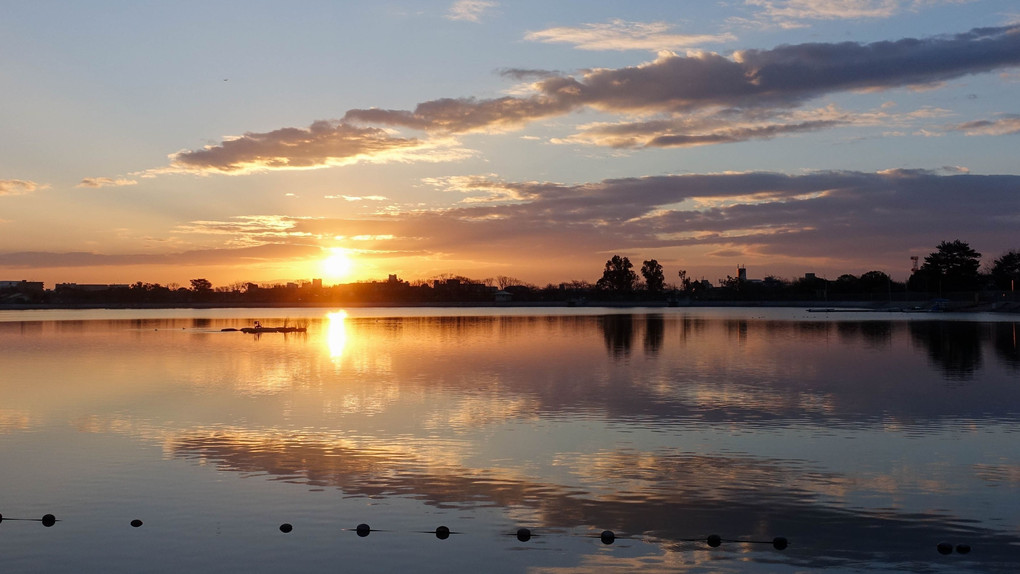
x=337 y=266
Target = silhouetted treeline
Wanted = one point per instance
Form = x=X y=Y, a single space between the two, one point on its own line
x=951 y=272
x=871 y=288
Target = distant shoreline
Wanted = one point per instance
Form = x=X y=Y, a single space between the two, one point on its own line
x=864 y=306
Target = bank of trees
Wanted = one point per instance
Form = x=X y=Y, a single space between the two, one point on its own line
x=1005 y=271
x=952 y=270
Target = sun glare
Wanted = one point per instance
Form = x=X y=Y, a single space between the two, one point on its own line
x=336 y=334
x=338 y=265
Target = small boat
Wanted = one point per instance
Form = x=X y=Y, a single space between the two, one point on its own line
x=258 y=328
x=273 y=329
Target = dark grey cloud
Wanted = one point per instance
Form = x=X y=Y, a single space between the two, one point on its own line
x=790 y=74
x=856 y=221
x=671 y=87
x=707 y=98
x=459 y=115
x=783 y=76
x=850 y=218
x=521 y=74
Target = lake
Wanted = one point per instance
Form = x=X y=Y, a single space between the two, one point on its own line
x=863 y=439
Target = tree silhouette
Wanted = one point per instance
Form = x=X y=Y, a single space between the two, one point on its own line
x=953 y=267
x=618 y=275
x=652 y=272
x=200 y=285
x=1006 y=270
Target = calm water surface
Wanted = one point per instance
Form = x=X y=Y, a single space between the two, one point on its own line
x=864 y=439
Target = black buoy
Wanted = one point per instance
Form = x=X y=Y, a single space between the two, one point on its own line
x=136 y=523
x=48 y=520
x=363 y=530
x=944 y=548
x=714 y=540
x=963 y=548
x=286 y=527
x=607 y=536
x=442 y=533
x=780 y=543
x=523 y=534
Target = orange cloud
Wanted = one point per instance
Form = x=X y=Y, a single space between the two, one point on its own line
x=18 y=186
x=97 y=182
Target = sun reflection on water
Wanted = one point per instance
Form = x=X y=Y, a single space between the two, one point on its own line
x=336 y=333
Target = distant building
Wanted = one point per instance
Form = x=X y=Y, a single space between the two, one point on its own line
x=22 y=286
x=504 y=296
x=91 y=286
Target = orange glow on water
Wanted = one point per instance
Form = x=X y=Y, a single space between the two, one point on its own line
x=336 y=333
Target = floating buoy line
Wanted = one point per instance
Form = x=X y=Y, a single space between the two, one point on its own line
x=607 y=537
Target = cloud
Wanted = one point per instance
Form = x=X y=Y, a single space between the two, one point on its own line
x=750 y=86
x=469 y=10
x=247 y=230
x=785 y=76
x=199 y=257
x=320 y=145
x=357 y=198
x=786 y=10
x=97 y=182
x=793 y=13
x=731 y=125
x=847 y=221
x=1005 y=124
x=851 y=219
x=623 y=35
x=18 y=186
x=462 y=115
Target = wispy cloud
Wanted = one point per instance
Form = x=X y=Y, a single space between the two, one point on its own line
x=18 y=186
x=469 y=10
x=797 y=13
x=623 y=35
x=1004 y=124
x=353 y=198
x=229 y=256
x=247 y=230
x=96 y=182
x=731 y=125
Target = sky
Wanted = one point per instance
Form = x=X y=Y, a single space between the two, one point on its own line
x=266 y=141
